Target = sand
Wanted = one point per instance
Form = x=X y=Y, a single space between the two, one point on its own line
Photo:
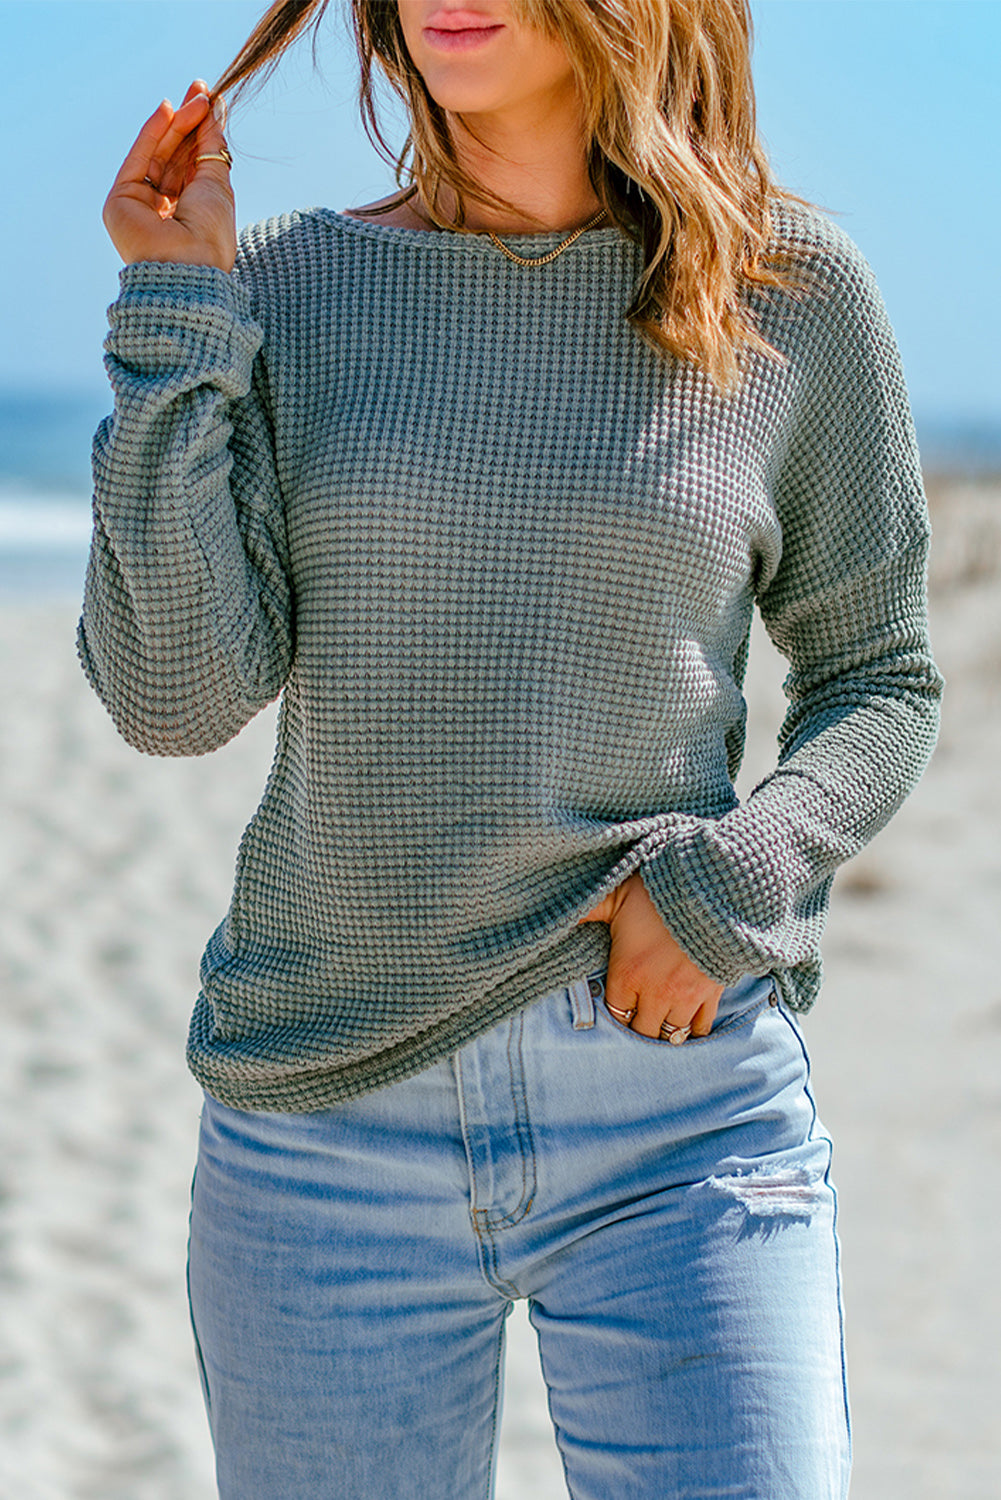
x=113 y=869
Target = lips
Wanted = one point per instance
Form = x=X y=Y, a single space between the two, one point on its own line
x=460 y=20
x=459 y=30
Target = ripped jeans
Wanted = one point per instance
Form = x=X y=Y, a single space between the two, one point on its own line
x=666 y=1211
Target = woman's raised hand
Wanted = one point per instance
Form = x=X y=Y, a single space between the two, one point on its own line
x=651 y=982
x=166 y=206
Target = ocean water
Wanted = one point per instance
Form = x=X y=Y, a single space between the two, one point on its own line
x=45 y=513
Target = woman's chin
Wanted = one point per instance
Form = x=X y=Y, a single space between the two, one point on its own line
x=465 y=96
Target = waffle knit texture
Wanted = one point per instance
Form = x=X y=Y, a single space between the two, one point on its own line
x=499 y=557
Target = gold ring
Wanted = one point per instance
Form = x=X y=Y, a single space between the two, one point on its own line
x=624 y=1015
x=222 y=155
x=674 y=1034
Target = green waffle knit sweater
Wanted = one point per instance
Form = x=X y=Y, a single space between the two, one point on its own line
x=499 y=557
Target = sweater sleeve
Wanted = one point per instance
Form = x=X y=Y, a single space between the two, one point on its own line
x=846 y=605
x=186 y=629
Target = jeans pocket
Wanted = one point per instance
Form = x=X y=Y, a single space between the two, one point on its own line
x=759 y=995
x=739 y=1006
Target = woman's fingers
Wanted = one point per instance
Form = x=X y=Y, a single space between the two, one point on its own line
x=164 y=204
x=702 y=1021
x=619 y=998
x=179 y=133
x=645 y=1005
x=653 y=1009
x=648 y=973
x=198 y=176
x=179 y=169
x=136 y=166
x=651 y=981
x=647 y=1009
x=158 y=139
x=210 y=142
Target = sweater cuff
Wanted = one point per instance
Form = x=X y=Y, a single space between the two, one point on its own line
x=688 y=905
x=171 y=318
x=746 y=893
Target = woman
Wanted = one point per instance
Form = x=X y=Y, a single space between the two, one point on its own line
x=486 y=480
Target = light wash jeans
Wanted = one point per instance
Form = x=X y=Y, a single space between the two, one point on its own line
x=666 y=1211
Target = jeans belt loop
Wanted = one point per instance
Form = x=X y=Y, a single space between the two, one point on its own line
x=581 y=1004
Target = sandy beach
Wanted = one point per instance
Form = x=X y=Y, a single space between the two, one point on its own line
x=113 y=870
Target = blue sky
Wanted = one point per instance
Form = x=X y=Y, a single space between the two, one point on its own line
x=884 y=111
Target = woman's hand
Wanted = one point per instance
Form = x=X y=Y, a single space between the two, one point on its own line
x=166 y=206
x=648 y=974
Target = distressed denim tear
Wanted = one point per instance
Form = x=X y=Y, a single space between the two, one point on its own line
x=771 y=1196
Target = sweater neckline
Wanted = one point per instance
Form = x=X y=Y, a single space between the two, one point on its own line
x=527 y=244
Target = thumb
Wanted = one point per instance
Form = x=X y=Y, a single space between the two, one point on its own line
x=210 y=154
x=603 y=912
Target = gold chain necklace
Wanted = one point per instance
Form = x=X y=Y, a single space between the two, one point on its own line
x=543 y=260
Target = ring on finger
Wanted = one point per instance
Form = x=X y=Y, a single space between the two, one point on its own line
x=223 y=154
x=674 y=1034
x=624 y=1015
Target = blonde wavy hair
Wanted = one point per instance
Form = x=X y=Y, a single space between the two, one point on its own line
x=673 y=152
